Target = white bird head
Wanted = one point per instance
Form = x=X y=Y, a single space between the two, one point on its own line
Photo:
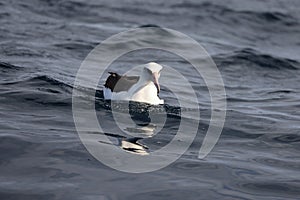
x=151 y=72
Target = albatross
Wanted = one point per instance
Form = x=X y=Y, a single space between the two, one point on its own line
x=144 y=88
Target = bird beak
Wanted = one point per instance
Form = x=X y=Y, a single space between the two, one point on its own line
x=155 y=80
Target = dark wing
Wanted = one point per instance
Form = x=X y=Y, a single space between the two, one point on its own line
x=118 y=83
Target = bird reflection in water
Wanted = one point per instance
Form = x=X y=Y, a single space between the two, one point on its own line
x=133 y=145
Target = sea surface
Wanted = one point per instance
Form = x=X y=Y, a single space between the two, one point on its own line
x=255 y=45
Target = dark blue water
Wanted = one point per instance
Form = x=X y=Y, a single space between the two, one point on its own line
x=255 y=45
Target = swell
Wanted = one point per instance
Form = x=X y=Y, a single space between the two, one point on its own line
x=251 y=57
x=7 y=67
x=40 y=80
x=41 y=89
x=46 y=90
x=224 y=13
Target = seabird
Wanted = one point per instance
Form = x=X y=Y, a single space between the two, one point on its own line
x=144 y=88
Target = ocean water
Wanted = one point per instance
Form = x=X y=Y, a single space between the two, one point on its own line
x=255 y=45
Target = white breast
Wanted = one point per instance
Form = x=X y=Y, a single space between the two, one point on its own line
x=146 y=94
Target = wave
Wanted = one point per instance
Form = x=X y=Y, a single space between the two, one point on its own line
x=250 y=57
x=46 y=80
x=7 y=67
x=288 y=138
x=40 y=81
x=149 y=25
x=75 y=45
x=46 y=90
x=40 y=89
x=224 y=13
